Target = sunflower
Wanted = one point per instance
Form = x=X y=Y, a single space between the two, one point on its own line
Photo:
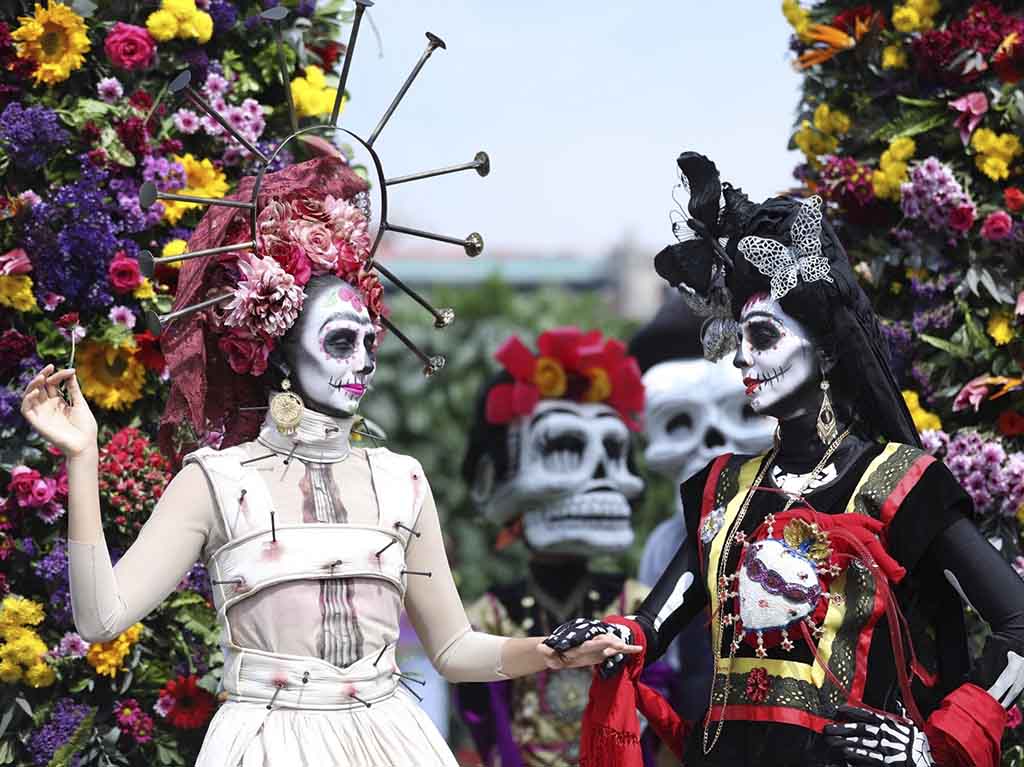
x=55 y=39
x=111 y=375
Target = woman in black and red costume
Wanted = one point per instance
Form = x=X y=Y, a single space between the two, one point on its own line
x=837 y=564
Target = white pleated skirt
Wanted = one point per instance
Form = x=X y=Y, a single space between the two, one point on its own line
x=394 y=732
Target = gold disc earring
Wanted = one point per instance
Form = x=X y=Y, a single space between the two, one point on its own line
x=286 y=409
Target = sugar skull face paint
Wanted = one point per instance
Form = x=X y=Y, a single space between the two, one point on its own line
x=331 y=349
x=777 y=357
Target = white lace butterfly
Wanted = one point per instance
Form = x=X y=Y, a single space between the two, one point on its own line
x=783 y=264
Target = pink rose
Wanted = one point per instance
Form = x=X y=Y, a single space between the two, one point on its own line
x=290 y=256
x=246 y=353
x=316 y=242
x=997 y=226
x=305 y=206
x=271 y=219
x=124 y=273
x=62 y=481
x=961 y=218
x=15 y=262
x=22 y=480
x=43 y=491
x=349 y=260
x=130 y=47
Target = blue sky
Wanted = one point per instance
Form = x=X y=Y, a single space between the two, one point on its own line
x=583 y=108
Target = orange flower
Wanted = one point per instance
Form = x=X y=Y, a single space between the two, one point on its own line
x=831 y=41
x=549 y=377
x=600 y=387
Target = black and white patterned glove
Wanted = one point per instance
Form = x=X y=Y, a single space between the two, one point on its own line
x=861 y=737
x=1000 y=670
x=574 y=633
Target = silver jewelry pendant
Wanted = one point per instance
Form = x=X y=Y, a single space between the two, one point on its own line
x=828 y=429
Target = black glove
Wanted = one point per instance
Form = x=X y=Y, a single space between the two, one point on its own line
x=861 y=737
x=575 y=632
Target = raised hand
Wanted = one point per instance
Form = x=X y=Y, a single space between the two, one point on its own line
x=587 y=642
x=861 y=737
x=70 y=427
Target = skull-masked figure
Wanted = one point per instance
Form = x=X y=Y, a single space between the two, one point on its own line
x=695 y=410
x=549 y=459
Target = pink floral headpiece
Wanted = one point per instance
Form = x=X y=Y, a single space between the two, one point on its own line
x=571 y=364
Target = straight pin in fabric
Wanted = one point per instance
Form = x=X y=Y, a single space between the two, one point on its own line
x=274 y=697
x=331 y=565
x=421 y=682
x=241 y=496
x=260 y=407
x=411 y=691
x=288 y=459
x=399 y=525
x=356 y=697
x=305 y=677
x=273 y=528
x=393 y=542
x=229 y=580
x=424 y=573
x=258 y=458
x=381 y=653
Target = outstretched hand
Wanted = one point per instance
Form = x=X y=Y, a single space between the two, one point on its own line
x=67 y=423
x=585 y=642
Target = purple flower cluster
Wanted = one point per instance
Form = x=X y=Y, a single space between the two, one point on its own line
x=197 y=579
x=939 y=318
x=71 y=239
x=224 y=15
x=64 y=720
x=30 y=135
x=54 y=566
x=901 y=346
x=10 y=409
x=933 y=195
x=992 y=477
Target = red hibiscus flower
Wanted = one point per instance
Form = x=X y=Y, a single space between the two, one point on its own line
x=1010 y=423
x=188 y=705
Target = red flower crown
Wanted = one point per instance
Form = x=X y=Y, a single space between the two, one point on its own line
x=572 y=365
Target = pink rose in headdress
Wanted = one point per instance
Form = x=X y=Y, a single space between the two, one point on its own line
x=245 y=352
x=272 y=218
x=317 y=243
x=290 y=256
x=373 y=294
x=129 y=47
x=309 y=207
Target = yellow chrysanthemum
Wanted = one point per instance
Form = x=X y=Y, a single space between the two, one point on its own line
x=40 y=675
x=174 y=248
x=9 y=672
x=1000 y=328
x=202 y=178
x=145 y=290
x=183 y=10
x=1007 y=146
x=111 y=376
x=55 y=38
x=203 y=23
x=983 y=140
x=108 y=657
x=894 y=57
x=311 y=95
x=884 y=187
x=549 y=377
x=16 y=292
x=902 y=149
x=162 y=26
x=26 y=650
x=797 y=16
x=18 y=611
x=906 y=19
x=812 y=142
x=992 y=166
x=925 y=8
x=923 y=419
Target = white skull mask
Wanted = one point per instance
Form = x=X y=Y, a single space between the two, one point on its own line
x=331 y=349
x=569 y=479
x=697 y=410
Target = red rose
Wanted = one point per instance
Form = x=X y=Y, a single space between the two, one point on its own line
x=349 y=260
x=997 y=226
x=124 y=273
x=22 y=480
x=290 y=256
x=130 y=47
x=147 y=351
x=961 y=218
x=68 y=320
x=1013 y=198
x=1010 y=423
x=246 y=353
x=373 y=294
x=14 y=347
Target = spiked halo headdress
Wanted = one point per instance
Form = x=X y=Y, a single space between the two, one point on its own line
x=231 y=228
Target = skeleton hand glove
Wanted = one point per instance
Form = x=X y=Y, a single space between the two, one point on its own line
x=863 y=738
x=574 y=633
x=1000 y=670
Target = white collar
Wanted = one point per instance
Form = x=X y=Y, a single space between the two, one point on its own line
x=319 y=438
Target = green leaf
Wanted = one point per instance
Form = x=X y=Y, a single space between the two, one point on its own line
x=911 y=124
x=5 y=721
x=943 y=345
x=117 y=151
x=927 y=103
x=6 y=751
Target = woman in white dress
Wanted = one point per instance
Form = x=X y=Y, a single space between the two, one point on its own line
x=314 y=546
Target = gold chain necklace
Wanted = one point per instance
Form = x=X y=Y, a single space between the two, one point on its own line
x=723 y=565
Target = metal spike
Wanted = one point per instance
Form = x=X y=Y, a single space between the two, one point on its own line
x=481 y=163
x=393 y=542
x=425 y=573
x=420 y=682
x=431 y=365
x=356 y=697
x=277 y=14
x=433 y=43
x=148 y=194
x=256 y=459
x=442 y=317
x=181 y=84
x=147 y=261
x=380 y=655
x=411 y=691
x=473 y=243
x=155 y=322
x=361 y=6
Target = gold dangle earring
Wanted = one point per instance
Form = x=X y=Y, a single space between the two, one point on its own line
x=286 y=409
x=828 y=429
